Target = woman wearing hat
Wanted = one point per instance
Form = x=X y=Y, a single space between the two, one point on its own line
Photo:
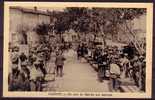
x=36 y=76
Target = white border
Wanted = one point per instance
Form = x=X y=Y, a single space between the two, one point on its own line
x=149 y=33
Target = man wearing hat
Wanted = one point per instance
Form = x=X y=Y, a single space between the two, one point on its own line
x=59 y=62
x=102 y=65
x=143 y=75
x=114 y=75
x=15 y=60
x=79 y=52
x=138 y=70
x=24 y=63
x=42 y=67
x=141 y=65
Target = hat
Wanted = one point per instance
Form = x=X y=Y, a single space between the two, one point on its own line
x=144 y=60
x=105 y=53
x=110 y=52
x=135 y=58
x=24 y=63
x=141 y=57
x=120 y=52
x=125 y=54
x=37 y=60
x=16 y=48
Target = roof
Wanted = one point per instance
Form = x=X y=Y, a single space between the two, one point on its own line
x=33 y=11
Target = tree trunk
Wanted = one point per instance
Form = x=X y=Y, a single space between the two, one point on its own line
x=135 y=42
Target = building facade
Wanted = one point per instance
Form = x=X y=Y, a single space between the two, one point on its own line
x=22 y=21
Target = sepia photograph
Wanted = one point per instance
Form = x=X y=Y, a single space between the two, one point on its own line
x=77 y=50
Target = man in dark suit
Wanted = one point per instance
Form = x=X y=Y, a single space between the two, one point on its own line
x=59 y=62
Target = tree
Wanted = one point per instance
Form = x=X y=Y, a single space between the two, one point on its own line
x=100 y=21
x=22 y=30
x=117 y=16
x=130 y=14
x=42 y=30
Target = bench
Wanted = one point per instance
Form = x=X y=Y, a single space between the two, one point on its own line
x=130 y=88
x=128 y=85
x=50 y=77
x=95 y=66
x=91 y=62
x=88 y=58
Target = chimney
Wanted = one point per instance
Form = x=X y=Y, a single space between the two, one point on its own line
x=49 y=12
x=35 y=8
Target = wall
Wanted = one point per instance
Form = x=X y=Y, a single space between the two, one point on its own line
x=27 y=20
x=43 y=18
x=15 y=22
x=30 y=20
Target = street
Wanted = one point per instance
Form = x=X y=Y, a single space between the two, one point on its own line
x=78 y=76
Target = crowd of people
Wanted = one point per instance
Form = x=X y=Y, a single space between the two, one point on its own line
x=116 y=63
x=28 y=71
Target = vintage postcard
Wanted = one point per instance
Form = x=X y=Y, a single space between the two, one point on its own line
x=77 y=50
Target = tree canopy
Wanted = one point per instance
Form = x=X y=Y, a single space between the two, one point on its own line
x=90 y=20
x=94 y=19
x=84 y=20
